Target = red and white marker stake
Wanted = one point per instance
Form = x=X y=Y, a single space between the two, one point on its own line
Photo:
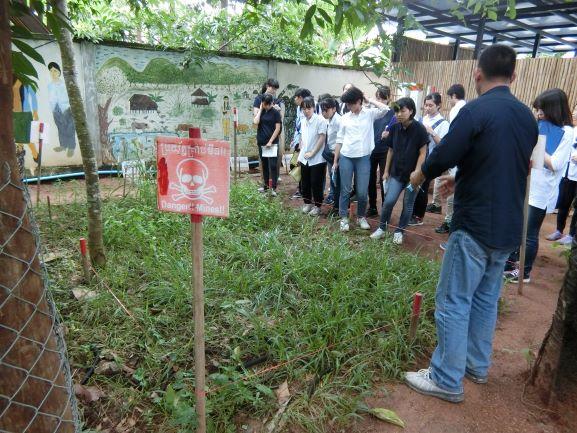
x=85 y=263
x=417 y=300
x=236 y=169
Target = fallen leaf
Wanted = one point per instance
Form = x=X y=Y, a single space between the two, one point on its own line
x=107 y=368
x=88 y=394
x=282 y=393
x=50 y=257
x=84 y=294
x=387 y=415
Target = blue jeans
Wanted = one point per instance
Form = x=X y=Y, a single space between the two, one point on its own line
x=361 y=168
x=466 y=310
x=394 y=189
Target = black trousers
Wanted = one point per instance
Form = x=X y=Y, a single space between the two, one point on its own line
x=377 y=162
x=422 y=199
x=269 y=169
x=567 y=192
x=312 y=177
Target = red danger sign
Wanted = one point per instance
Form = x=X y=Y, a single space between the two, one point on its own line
x=193 y=176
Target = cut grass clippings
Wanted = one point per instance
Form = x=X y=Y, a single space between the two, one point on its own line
x=278 y=285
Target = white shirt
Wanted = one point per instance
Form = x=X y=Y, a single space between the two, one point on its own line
x=572 y=171
x=333 y=130
x=311 y=129
x=455 y=110
x=441 y=129
x=356 y=134
x=544 y=182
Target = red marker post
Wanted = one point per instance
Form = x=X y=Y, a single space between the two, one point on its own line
x=40 y=140
x=235 y=160
x=85 y=263
x=194 y=178
x=415 y=314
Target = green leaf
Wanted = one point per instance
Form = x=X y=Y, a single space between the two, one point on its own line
x=325 y=15
x=22 y=65
x=477 y=7
x=20 y=32
x=264 y=389
x=28 y=50
x=492 y=15
x=307 y=29
x=387 y=415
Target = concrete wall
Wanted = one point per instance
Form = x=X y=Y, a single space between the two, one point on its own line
x=132 y=95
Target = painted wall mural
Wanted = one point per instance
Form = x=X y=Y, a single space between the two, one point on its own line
x=142 y=94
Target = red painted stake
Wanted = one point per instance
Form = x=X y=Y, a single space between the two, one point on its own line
x=193 y=132
x=85 y=263
x=417 y=300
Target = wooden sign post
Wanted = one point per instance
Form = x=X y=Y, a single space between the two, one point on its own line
x=236 y=168
x=194 y=178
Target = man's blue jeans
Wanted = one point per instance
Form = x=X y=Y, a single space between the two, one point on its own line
x=394 y=190
x=466 y=310
x=361 y=168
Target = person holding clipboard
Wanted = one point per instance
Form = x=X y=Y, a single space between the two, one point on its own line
x=268 y=121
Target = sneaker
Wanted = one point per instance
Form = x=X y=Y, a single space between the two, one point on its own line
x=421 y=382
x=329 y=201
x=262 y=189
x=513 y=276
x=566 y=240
x=378 y=233
x=296 y=196
x=363 y=224
x=372 y=212
x=315 y=211
x=555 y=236
x=307 y=208
x=475 y=378
x=345 y=225
x=398 y=238
x=443 y=246
x=353 y=198
x=443 y=228
x=433 y=208
x=273 y=193
x=416 y=221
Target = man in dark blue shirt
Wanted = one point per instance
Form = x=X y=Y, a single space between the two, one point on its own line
x=490 y=142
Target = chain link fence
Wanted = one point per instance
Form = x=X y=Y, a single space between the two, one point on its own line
x=36 y=392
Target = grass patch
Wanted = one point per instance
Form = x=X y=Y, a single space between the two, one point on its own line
x=277 y=284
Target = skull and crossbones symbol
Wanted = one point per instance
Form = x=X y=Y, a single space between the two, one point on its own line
x=192 y=176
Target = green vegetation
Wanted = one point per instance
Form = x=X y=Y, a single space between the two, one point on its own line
x=277 y=284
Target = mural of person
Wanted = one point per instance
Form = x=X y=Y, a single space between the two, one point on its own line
x=226 y=117
x=60 y=106
x=25 y=110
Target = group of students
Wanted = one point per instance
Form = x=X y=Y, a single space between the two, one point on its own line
x=361 y=143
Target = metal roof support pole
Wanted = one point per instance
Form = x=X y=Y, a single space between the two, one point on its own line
x=536 y=45
x=456 y=47
x=479 y=41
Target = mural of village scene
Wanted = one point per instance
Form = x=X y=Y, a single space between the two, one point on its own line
x=142 y=94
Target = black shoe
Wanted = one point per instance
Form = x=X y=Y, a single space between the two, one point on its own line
x=416 y=221
x=443 y=228
x=372 y=212
x=433 y=208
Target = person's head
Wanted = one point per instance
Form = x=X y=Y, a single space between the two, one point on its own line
x=308 y=106
x=54 y=70
x=496 y=67
x=383 y=94
x=456 y=93
x=432 y=104
x=329 y=107
x=405 y=110
x=553 y=105
x=324 y=96
x=267 y=101
x=354 y=98
x=347 y=86
x=271 y=86
x=300 y=94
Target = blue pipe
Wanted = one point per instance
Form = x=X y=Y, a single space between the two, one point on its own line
x=67 y=176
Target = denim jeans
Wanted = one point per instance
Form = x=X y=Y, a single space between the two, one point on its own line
x=466 y=310
x=360 y=167
x=394 y=190
x=535 y=219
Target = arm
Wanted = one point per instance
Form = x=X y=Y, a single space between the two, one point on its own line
x=417 y=178
x=319 y=145
x=381 y=109
x=257 y=113
x=337 y=154
x=274 y=135
x=559 y=159
x=388 y=164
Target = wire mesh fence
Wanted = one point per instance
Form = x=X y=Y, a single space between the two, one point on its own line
x=36 y=392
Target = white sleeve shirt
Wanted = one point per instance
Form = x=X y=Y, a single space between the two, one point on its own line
x=311 y=129
x=441 y=129
x=572 y=171
x=455 y=110
x=356 y=134
x=332 y=131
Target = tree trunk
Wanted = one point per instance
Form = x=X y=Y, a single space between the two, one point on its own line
x=104 y=123
x=34 y=373
x=554 y=376
x=95 y=231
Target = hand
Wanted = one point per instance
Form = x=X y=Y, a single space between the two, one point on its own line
x=446 y=185
x=260 y=108
x=385 y=177
x=429 y=130
x=269 y=144
x=385 y=134
x=276 y=107
x=308 y=155
x=574 y=158
x=335 y=165
x=417 y=178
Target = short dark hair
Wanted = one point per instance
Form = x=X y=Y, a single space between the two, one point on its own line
x=435 y=97
x=308 y=102
x=267 y=99
x=352 y=95
x=406 y=103
x=303 y=93
x=271 y=82
x=55 y=66
x=384 y=92
x=555 y=107
x=458 y=90
x=497 y=61
x=329 y=103
x=323 y=96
